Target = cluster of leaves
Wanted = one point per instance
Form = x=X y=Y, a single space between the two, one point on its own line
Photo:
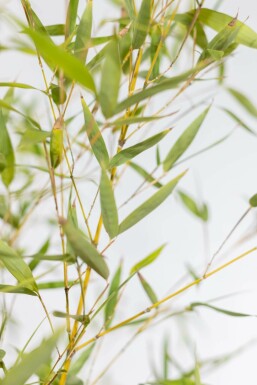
x=136 y=57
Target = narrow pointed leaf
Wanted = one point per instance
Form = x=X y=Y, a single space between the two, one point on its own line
x=71 y=66
x=14 y=263
x=149 y=205
x=108 y=206
x=184 y=141
x=129 y=4
x=84 y=249
x=110 y=81
x=141 y=171
x=32 y=136
x=148 y=289
x=6 y=149
x=191 y=205
x=219 y=310
x=84 y=33
x=142 y=24
x=244 y=101
x=30 y=363
x=71 y=17
x=80 y=318
x=130 y=152
x=113 y=293
x=239 y=121
x=16 y=290
x=147 y=260
x=78 y=364
x=95 y=137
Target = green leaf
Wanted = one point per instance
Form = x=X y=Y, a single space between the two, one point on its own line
x=58 y=94
x=17 y=267
x=71 y=17
x=84 y=33
x=95 y=137
x=72 y=218
x=110 y=81
x=148 y=177
x=217 y=21
x=33 y=136
x=215 y=54
x=147 y=260
x=30 y=363
x=200 y=212
x=239 y=121
x=84 y=319
x=109 y=309
x=84 y=249
x=16 y=290
x=136 y=119
x=148 y=289
x=71 y=66
x=219 y=310
x=149 y=205
x=129 y=4
x=108 y=206
x=162 y=86
x=244 y=101
x=3 y=162
x=18 y=85
x=253 y=201
x=7 y=150
x=130 y=152
x=184 y=141
x=142 y=24
x=78 y=364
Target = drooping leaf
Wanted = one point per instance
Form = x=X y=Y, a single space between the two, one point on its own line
x=108 y=206
x=239 y=121
x=84 y=249
x=141 y=171
x=94 y=135
x=6 y=149
x=219 y=310
x=130 y=152
x=71 y=66
x=109 y=309
x=142 y=24
x=148 y=289
x=201 y=212
x=16 y=290
x=149 y=205
x=147 y=260
x=244 y=101
x=84 y=33
x=218 y=20
x=30 y=363
x=184 y=141
x=17 y=267
x=110 y=81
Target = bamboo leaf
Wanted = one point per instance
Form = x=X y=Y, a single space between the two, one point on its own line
x=219 y=310
x=141 y=171
x=200 y=212
x=6 y=150
x=17 y=267
x=77 y=365
x=109 y=309
x=149 y=205
x=129 y=4
x=32 y=136
x=30 y=363
x=94 y=135
x=110 y=81
x=244 y=101
x=148 y=289
x=253 y=201
x=84 y=249
x=136 y=119
x=71 y=66
x=142 y=24
x=108 y=206
x=217 y=21
x=239 y=121
x=84 y=319
x=71 y=17
x=84 y=33
x=184 y=141
x=130 y=152
x=147 y=260
x=16 y=290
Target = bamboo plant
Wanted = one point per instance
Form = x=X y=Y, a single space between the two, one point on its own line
x=107 y=121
